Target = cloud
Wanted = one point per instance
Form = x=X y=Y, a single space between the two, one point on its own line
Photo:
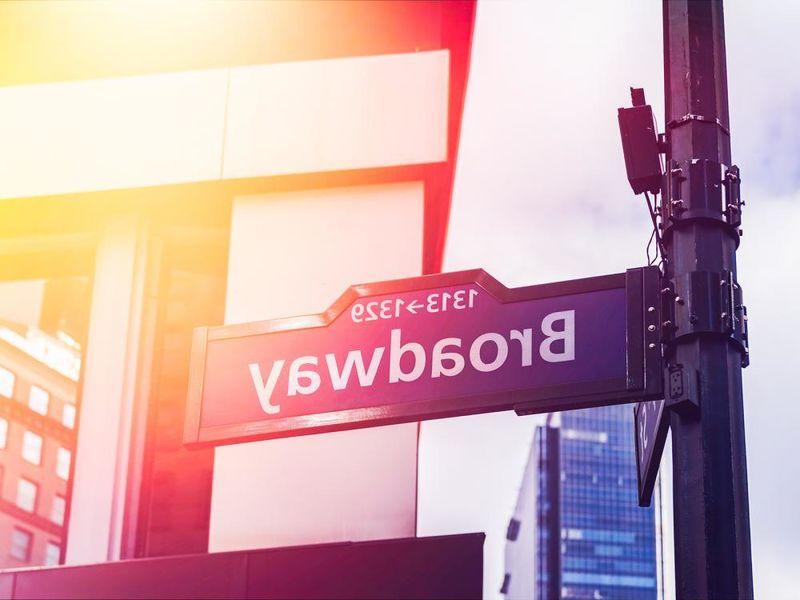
x=769 y=263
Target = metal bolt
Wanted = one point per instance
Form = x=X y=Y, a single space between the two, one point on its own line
x=651 y=346
x=679 y=300
x=651 y=328
x=724 y=315
x=666 y=323
x=651 y=309
x=665 y=291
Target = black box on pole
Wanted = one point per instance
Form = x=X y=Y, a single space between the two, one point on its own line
x=640 y=144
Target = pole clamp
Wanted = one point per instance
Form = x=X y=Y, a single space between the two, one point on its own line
x=704 y=303
x=703 y=190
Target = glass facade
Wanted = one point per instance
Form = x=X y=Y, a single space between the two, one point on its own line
x=589 y=538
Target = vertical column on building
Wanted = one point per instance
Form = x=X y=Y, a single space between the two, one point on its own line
x=96 y=511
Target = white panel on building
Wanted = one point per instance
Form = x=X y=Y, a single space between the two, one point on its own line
x=325 y=115
x=294 y=254
x=111 y=133
x=297 y=117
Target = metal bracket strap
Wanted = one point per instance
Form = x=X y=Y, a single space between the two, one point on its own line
x=688 y=118
x=705 y=302
x=699 y=303
x=715 y=192
x=644 y=354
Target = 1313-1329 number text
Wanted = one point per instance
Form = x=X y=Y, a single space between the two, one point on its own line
x=435 y=302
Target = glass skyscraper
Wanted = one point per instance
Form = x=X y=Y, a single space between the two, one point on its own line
x=577 y=530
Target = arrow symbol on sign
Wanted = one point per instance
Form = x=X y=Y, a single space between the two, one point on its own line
x=413 y=307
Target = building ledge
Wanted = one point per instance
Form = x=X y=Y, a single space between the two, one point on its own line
x=431 y=567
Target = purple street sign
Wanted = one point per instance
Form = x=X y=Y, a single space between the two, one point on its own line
x=423 y=348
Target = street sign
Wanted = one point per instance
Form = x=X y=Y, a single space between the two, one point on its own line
x=425 y=348
x=651 y=419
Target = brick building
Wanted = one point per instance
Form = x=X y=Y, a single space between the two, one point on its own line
x=38 y=389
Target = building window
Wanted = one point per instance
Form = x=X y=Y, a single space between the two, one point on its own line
x=3 y=433
x=506 y=582
x=68 y=416
x=7 y=379
x=26 y=495
x=513 y=529
x=21 y=542
x=52 y=554
x=63 y=459
x=38 y=400
x=57 y=510
x=32 y=448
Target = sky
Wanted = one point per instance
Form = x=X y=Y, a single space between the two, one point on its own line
x=541 y=195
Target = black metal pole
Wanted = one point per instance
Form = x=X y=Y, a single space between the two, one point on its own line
x=700 y=218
